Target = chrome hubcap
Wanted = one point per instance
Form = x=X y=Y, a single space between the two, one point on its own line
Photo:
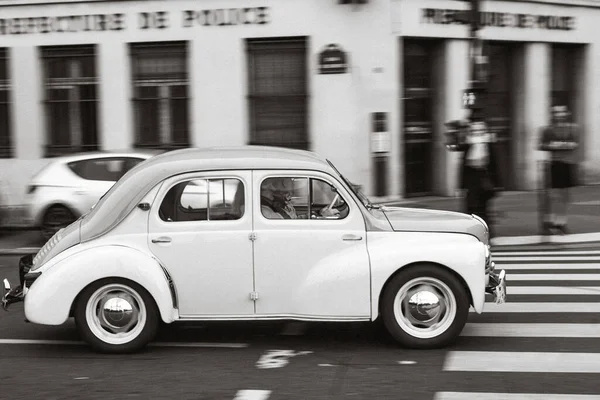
x=425 y=307
x=116 y=314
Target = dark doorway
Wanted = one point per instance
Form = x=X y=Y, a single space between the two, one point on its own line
x=417 y=127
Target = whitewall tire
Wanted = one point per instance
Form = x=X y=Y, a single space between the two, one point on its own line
x=425 y=307
x=116 y=316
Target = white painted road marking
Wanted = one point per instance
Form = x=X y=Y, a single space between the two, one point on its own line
x=499 y=361
x=532 y=330
x=518 y=267
x=525 y=260
x=252 y=395
x=540 y=307
x=552 y=277
x=573 y=290
x=518 y=254
x=157 y=344
x=277 y=358
x=512 y=396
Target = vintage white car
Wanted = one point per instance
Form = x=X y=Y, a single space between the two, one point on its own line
x=144 y=254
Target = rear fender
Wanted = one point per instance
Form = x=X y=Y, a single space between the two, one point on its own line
x=50 y=299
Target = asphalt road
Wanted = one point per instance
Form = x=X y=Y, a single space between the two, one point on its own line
x=545 y=341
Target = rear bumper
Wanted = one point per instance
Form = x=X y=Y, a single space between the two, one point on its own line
x=26 y=279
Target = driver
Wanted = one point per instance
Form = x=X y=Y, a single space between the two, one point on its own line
x=276 y=200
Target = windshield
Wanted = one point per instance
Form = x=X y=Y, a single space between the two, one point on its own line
x=355 y=189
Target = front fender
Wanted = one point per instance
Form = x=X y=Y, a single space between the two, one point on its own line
x=50 y=298
x=463 y=254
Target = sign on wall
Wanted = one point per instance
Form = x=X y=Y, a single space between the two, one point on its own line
x=498 y=19
x=333 y=60
x=143 y=21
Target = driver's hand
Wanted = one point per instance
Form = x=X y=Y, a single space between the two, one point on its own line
x=329 y=212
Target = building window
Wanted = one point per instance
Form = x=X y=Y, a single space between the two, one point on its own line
x=278 y=92
x=5 y=133
x=71 y=98
x=563 y=75
x=418 y=102
x=160 y=94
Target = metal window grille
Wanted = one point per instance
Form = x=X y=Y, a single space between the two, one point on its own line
x=71 y=99
x=6 y=150
x=278 y=92
x=160 y=94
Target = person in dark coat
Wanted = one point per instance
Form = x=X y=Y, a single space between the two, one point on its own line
x=560 y=139
x=479 y=174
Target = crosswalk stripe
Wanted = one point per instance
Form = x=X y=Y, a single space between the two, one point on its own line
x=546 y=259
x=572 y=253
x=512 y=396
x=529 y=317
x=546 y=266
x=506 y=361
x=553 y=277
x=252 y=395
x=532 y=330
x=562 y=290
x=540 y=307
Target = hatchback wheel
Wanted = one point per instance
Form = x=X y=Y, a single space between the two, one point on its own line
x=116 y=316
x=425 y=307
x=56 y=218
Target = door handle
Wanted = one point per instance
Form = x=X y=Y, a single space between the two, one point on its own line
x=162 y=239
x=350 y=236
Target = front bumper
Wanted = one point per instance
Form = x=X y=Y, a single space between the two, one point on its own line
x=497 y=285
x=26 y=279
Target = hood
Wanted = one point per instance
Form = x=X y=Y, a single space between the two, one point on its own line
x=422 y=220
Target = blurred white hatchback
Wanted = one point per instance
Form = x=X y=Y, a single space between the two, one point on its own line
x=69 y=186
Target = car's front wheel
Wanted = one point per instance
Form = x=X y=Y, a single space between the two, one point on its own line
x=425 y=307
x=116 y=316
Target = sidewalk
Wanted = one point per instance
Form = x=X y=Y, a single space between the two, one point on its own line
x=517 y=223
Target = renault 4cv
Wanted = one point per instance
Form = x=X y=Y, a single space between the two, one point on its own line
x=255 y=233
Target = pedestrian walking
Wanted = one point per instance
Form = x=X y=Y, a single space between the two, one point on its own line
x=560 y=139
x=479 y=175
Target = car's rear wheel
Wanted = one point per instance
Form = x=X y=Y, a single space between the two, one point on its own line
x=56 y=218
x=425 y=307
x=116 y=316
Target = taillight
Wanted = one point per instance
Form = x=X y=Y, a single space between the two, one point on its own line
x=31 y=189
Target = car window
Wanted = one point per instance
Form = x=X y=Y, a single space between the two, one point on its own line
x=204 y=200
x=301 y=198
x=103 y=169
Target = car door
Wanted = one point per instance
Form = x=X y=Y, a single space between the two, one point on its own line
x=311 y=267
x=199 y=228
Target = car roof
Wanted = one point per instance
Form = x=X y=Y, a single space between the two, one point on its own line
x=135 y=184
x=243 y=157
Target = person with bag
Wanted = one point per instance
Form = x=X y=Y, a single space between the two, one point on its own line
x=561 y=139
x=479 y=176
